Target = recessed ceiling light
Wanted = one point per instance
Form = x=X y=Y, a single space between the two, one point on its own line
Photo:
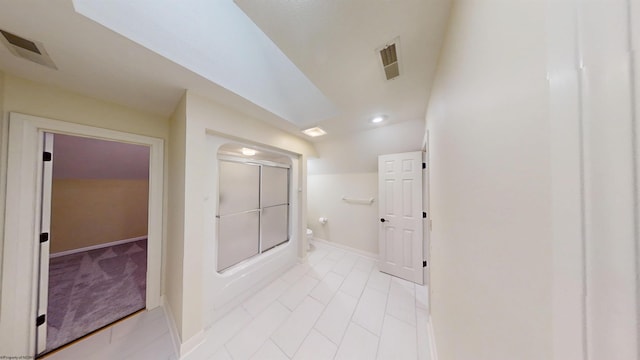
x=248 y=152
x=377 y=119
x=313 y=132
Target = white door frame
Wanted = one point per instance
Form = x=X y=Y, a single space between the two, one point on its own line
x=18 y=299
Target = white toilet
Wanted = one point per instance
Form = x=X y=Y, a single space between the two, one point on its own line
x=309 y=238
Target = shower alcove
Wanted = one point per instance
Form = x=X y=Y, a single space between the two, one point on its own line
x=252 y=220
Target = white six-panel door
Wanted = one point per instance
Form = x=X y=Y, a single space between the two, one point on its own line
x=400 y=212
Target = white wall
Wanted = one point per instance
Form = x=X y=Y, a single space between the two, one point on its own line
x=173 y=271
x=352 y=225
x=607 y=65
x=532 y=128
x=191 y=213
x=348 y=166
x=358 y=153
x=490 y=185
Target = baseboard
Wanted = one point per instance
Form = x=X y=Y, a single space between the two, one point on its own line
x=432 y=339
x=181 y=349
x=173 y=329
x=95 y=247
x=191 y=344
x=344 y=247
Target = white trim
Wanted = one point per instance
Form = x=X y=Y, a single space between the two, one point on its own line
x=95 y=247
x=193 y=343
x=432 y=339
x=344 y=247
x=179 y=348
x=19 y=273
x=171 y=322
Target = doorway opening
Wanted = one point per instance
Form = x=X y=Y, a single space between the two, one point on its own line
x=22 y=311
x=97 y=258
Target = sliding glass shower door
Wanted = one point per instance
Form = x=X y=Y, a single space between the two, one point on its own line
x=253 y=210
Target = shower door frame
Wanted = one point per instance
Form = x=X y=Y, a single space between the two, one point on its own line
x=260 y=163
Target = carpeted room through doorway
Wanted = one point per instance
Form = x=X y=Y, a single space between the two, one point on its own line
x=91 y=289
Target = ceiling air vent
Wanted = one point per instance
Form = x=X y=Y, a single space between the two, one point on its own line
x=389 y=57
x=26 y=49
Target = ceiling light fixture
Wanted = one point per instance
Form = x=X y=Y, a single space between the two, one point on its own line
x=377 y=119
x=313 y=132
x=248 y=152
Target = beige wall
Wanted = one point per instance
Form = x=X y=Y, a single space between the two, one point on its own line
x=28 y=97
x=188 y=163
x=490 y=185
x=38 y=99
x=175 y=215
x=352 y=225
x=87 y=212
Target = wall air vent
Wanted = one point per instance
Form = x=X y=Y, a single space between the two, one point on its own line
x=390 y=63
x=26 y=49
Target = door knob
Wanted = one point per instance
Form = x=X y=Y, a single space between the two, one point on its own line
x=382 y=220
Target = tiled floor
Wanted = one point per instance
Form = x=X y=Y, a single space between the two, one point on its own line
x=338 y=306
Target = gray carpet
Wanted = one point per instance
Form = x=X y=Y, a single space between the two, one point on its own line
x=92 y=289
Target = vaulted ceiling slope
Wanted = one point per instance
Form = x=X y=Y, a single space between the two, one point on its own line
x=317 y=64
x=336 y=42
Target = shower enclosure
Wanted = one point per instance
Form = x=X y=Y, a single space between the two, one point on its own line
x=253 y=208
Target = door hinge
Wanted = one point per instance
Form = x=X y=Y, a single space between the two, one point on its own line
x=46 y=156
x=424 y=263
x=424 y=215
x=41 y=319
x=424 y=165
x=44 y=237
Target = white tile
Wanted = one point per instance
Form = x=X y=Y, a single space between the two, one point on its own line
x=398 y=340
x=322 y=268
x=336 y=254
x=85 y=347
x=221 y=332
x=222 y=354
x=137 y=323
x=316 y=255
x=379 y=280
x=261 y=300
x=293 y=331
x=297 y=292
x=402 y=301
x=316 y=347
x=269 y=351
x=354 y=283
x=364 y=264
x=326 y=288
x=371 y=310
x=358 y=343
x=422 y=297
x=149 y=331
x=161 y=348
x=336 y=317
x=295 y=273
x=252 y=337
x=344 y=265
x=424 y=351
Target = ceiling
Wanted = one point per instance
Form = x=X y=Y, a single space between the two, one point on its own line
x=333 y=43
